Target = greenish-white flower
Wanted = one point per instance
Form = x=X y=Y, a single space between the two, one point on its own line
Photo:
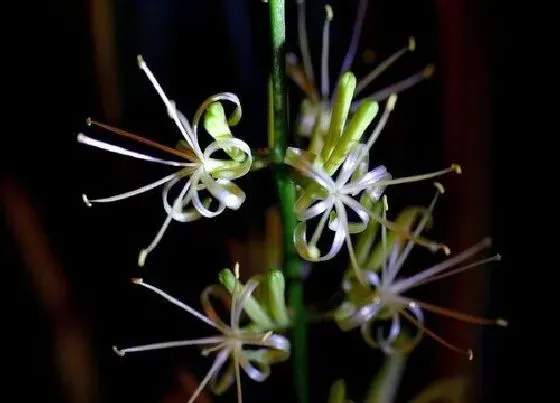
x=379 y=306
x=199 y=169
x=231 y=342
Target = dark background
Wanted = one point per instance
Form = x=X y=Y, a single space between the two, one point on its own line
x=66 y=267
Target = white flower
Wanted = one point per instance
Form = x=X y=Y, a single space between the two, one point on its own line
x=200 y=169
x=318 y=103
x=383 y=305
x=336 y=195
x=229 y=343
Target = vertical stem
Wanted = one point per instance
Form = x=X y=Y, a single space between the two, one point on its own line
x=287 y=196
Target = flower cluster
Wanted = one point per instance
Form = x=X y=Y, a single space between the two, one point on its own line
x=341 y=201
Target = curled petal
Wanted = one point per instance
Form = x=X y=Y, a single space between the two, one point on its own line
x=203 y=206
x=394 y=342
x=226 y=192
x=222 y=96
x=258 y=372
x=220 y=168
x=372 y=279
x=306 y=212
x=370 y=182
x=298 y=159
x=181 y=215
x=351 y=164
x=280 y=344
x=350 y=315
x=220 y=293
x=220 y=382
x=238 y=301
x=311 y=253
x=354 y=227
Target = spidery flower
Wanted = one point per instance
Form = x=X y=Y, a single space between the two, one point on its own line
x=316 y=109
x=200 y=168
x=230 y=343
x=330 y=197
x=381 y=304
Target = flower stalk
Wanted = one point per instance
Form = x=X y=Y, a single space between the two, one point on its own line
x=287 y=196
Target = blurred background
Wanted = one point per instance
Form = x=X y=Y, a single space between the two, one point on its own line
x=66 y=266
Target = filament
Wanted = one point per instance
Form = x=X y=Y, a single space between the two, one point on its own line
x=357 y=30
x=437 y=338
x=417 y=178
x=383 y=66
x=457 y=270
x=325 y=54
x=400 y=86
x=175 y=301
x=303 y=44
x=188 y=154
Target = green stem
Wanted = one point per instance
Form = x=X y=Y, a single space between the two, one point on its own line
x=287 y=196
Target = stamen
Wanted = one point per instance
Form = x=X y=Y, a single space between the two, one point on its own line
x=207 y=351
x=451 y=313
x=83 y=139
x=437 y=338
x=187 y=154
x=175 y=301
x=399 y=86
x=325 y=79
x=144 y=252
x=166 y=345
x=267 y=335
x=458 y=270
x=389 y=107
x=170 y=106
x=384 y=66
x=304 y=47
x=295 y=72
x=236 y=270
x=407 y=283
x=126 y=195
x=218 y=362
x=384 y=238
x=417 y=178
x=431 y=245
x=238 y=377
x=356 y=31
x=410 y=244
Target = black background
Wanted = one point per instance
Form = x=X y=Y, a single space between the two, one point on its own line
x=197 y=48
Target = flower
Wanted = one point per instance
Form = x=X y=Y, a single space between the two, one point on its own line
x=201 y=169
x=327 y=196
x=316 y=109
x=229 y=343
x=381 y=300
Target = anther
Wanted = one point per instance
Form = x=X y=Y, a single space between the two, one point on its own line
x=328 y=10
x=439 y=187
x=411 y=44
x=142 y=257
x=86 y=200
x=502 y=322
x=119 y=352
